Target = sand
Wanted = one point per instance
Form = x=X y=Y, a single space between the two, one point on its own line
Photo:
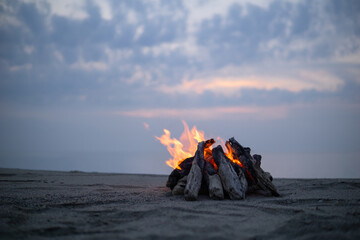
x=77 y=205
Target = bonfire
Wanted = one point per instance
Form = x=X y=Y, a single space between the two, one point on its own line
x=201 y=168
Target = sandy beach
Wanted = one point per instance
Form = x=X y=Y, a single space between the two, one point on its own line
x=78 y=205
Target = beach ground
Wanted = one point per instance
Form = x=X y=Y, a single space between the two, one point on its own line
x=79 y=205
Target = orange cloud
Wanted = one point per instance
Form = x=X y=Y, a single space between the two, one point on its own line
x=208 y=113
x=305 y=80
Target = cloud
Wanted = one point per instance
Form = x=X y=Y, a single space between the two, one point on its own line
x=147 y=55
x=139 y=31
x=302 y=81
x=280 y=74
x=105 y=9
x=220 y=8
x=74 y=10
x=89 y=66
x=59 y=56
x=351 y=58
x=27 y=66
x=208 y=112
x=28 y=49
x=287 y=32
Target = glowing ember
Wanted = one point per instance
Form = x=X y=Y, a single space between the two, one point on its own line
x=232 y=158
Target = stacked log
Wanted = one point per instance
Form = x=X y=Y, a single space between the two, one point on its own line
x=257 y=177
x=194 y=179
x=230 y=180
x=214 y=171
x=213 y=182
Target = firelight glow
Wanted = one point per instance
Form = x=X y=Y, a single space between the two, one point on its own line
x=187 y=145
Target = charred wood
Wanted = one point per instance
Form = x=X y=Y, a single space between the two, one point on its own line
x=213 y=182
x=269 y=176
x=228 y=176
x=177 y=174
x=241 y=175
x=261 y=180
x=209 y=142
x=186 y=166
x=195 y=175
x=180 y=187
x=257 y=159
x=173 y=178
x=242 y=155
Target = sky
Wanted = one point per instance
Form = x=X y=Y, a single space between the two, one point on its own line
x=87 y=85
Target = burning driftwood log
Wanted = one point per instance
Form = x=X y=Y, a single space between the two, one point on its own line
x=213 y=182
x=234 y=174
x=180 y=172
x=257 y=178
x=228 y=176
x=194 y=179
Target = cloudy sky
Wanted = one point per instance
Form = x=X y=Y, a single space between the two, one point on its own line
x=86 y=85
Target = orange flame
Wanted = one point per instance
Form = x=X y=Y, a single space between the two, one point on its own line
x=185 y=148
x=230 y=155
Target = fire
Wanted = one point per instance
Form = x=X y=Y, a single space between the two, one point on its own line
x=187 y=145
x=183 y=148
x=230 y=155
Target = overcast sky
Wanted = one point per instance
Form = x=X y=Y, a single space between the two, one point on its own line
x=86 y=85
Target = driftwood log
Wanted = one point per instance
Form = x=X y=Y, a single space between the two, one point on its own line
x=194 y=178
x=212 y=172
x=229 y=178
x=255 y=175
x=257 y=159
x=241 y=175
x=178 y=174
x=185 y=167
x=213 y=182
x=180 y=187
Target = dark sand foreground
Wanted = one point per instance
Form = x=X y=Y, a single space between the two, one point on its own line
x=76 y=205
